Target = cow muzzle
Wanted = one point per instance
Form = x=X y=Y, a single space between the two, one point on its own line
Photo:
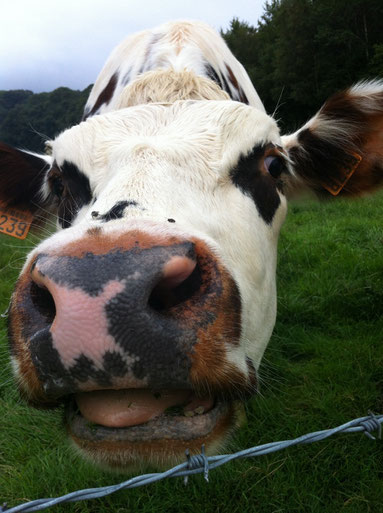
x=133 y=334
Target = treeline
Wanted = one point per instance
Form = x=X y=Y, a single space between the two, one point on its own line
x=302 y=51
x=27 y=120
x=299 y=54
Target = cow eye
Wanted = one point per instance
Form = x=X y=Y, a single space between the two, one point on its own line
x=57 y=186
x=275 y=165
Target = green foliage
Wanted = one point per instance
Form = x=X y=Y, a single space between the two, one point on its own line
x=302 y=51
x=27 y=120
x=376 y=62
x=9 y=100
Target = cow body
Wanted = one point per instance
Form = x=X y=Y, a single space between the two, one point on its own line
x=158 y=290
x=175 y=46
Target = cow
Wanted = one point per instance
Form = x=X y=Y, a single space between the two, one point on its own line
x=146 y=314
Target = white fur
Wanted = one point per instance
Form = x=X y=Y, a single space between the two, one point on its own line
x=174 y=159
x=178 y=45
x=367 y=87
x=175 y=162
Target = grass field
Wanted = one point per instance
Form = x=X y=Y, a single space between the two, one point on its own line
x=323 y=367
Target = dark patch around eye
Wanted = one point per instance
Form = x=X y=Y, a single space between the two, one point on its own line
x=259 y=185
x=117 y=211
x=75 y=193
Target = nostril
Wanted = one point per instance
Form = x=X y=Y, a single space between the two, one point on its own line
x=181 y=279
x=43 y=301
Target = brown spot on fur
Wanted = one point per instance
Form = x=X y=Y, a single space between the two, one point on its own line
x=109 y=242
x=234 y=82
x=210 y=366
x=320 y=161
x=369 y=175
x=105 y=96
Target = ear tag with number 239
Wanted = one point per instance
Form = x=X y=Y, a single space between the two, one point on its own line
x=14 y=222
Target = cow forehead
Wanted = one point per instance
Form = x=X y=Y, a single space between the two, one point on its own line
x=217 y=131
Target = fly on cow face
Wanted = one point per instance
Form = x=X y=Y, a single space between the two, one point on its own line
x=160 y=291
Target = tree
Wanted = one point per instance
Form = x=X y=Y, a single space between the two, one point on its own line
x=302 y=51
x=31 y=119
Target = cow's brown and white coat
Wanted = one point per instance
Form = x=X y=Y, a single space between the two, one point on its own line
x=158 y=290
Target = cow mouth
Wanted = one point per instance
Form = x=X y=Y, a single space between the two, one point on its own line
x=131 y=409
x=114 y=427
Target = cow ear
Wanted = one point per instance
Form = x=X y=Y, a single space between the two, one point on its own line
x=339 y=152
x=22 y=195
x=22 y=176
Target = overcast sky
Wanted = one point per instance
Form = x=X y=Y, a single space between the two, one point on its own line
x=45 y=44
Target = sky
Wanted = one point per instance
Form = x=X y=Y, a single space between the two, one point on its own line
x=46 y=44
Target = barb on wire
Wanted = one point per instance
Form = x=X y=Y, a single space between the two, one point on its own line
x=197 y=461
x=202 y=464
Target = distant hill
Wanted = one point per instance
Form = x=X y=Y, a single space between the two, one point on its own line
x=28 y=119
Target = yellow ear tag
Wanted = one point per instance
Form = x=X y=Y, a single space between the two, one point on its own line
x=14 y=222
x=350 y=164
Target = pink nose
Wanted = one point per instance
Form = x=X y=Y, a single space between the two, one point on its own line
x=80 y=325
x=119 y=318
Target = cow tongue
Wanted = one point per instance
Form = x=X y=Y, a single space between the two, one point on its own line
x=131 y=407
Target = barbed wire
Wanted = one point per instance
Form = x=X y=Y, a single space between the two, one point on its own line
x=200 y=463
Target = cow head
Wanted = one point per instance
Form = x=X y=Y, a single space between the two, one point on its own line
x=148 y=312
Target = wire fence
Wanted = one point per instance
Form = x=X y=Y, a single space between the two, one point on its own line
x=202 y=464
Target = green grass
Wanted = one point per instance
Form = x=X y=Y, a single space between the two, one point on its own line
x=323 y=367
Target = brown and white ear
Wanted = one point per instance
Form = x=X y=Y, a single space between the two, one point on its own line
x=22 y=178
x=340 y=150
